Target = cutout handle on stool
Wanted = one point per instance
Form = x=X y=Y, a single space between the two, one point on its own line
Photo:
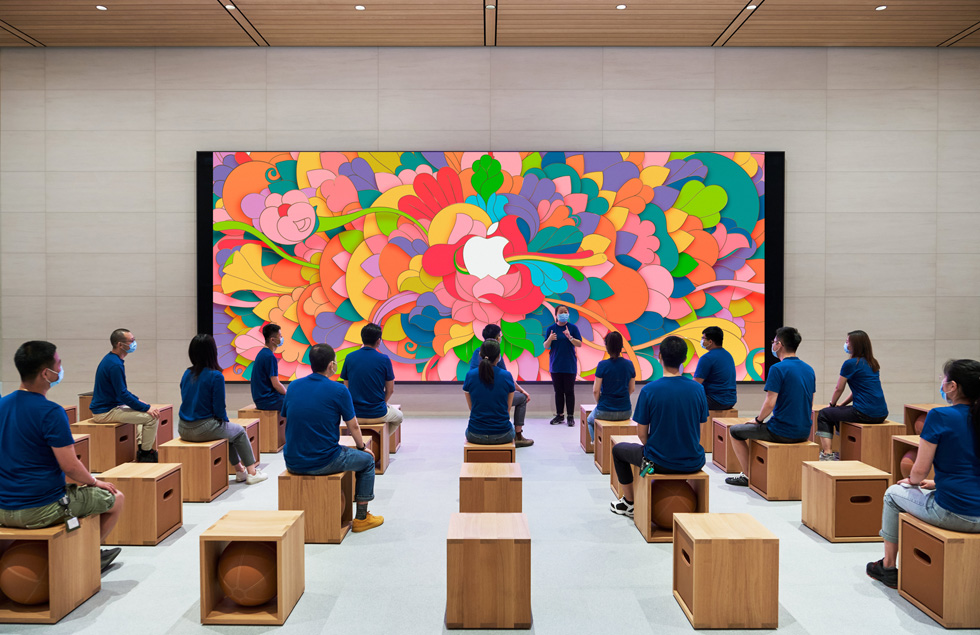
x=860 y=500
x=760 y=460
x=168 y=494
x=851 y=438
x=687 y=557
x=124 y=438
x=922 y=556
x=217 y=461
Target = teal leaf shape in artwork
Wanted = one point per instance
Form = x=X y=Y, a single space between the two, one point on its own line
x=347 y=312
x=487 y=177
x=599 y=289
x=556 y=240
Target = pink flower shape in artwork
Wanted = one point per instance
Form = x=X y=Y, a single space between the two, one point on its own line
x=288 y=218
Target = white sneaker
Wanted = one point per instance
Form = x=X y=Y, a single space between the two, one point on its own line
x=258 y=477
x=241 y=476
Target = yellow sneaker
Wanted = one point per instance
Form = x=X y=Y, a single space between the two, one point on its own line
x=368 y=523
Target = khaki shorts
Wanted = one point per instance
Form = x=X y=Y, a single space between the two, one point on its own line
x=82 y=502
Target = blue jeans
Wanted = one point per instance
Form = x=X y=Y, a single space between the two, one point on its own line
x=350 y=460
x=491 y=439
x=605 y=415
x=922 y=504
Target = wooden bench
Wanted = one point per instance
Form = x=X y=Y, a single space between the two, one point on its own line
x=643 y=489
x=499 y=453
x=584 y=440
x=490 y=488
x=603 y=447
x=708 y=426
x=153 y=508
x=204 y=473
x=776 y=469
x=722 y=453
x=110 y=444
x=842 y=500
x=252 y=432
x=272 y=427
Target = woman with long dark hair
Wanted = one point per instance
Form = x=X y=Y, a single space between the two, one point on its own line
x=950 y=444
x=203 y=416
x=860 y=372
x=615 y=381
x=489 y=393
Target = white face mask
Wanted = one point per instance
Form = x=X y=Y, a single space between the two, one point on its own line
x=61 y=375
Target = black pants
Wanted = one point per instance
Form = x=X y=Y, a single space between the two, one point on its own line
x=564 y=384
x=717 y=405
x=829 y=419
x=628 y=454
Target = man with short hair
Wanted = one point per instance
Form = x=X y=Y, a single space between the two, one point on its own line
x=789 y=397
x=669 y=412
x=37 y=451
x=113 y=403
x=267 y=390
x=314 y=406
x=521 y=396
x=370 y=377
x=716 y=371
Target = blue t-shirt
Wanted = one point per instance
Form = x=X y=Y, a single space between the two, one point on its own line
x=956 y=463
x=562 y=353
x=489 y=414
x=717 y=369
x=366 y=371
x=110 y=387
x=673 y=408
x=865 y=386
x=475 y=361
x=795 y=382
x=202 y=396
x=30 y=426
x=264 y=368
x=614 y=393
x=314 y=406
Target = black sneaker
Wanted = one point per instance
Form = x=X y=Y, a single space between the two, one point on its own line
x=556 y=421
x=570 y=420
x=106 y=556
x=147 y=456
x=886 y=575
x=622 y=508
x=741 y=480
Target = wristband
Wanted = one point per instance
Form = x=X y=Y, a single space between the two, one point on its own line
x=362 y=448
x=757 y=420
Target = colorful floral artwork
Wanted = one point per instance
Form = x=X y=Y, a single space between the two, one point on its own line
x=433 y=246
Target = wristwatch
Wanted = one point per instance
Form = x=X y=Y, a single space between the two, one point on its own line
x=362 y=448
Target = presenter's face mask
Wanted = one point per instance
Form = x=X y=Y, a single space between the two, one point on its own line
x=562 y=318
x=61 y=375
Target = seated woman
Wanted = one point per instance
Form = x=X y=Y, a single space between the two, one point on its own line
x=489 y=393
x=860 y=372
x=615 y=381
x=950 y=443
x=202 y=409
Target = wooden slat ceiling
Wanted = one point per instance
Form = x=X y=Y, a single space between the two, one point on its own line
x=470 y=23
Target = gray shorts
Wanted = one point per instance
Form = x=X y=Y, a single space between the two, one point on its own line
x=759 y=432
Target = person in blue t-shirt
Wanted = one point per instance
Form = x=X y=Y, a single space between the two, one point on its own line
x=267 y=390
x=521 y=396
x=615 y=381
x=370 y=377
x=202 y=415
x=113 y=403
x=489 y=393
x=561 y=339
x=716 y=371
x=37 y=451
x=314 y=406
x=950 y=443
x=789 y=397
x=668 y=415
x=860 y=372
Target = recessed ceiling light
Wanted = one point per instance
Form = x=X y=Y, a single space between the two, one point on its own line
x=751 y=6
x=881 y=7
x=230 y=7
x=620 y=6
x=490 y=6
x=359 y=7
x=100 y=7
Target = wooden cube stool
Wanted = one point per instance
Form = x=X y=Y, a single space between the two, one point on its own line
x=776 y=470
x=912 y=411
x=835 y=442
x=716 y=553
x=614 y=484
x=204 y=472
x=490 y=488
x=83 y=449
x=488 y=581
x=842 y=500
x=84 y=401
x=252 y=432
x=284 y=530
x=722 y=453
x=153 y=507
x=165 y=424
x=327 y=500
x=377 y=431
x=395 y=436
x=708 y=426
x=902 y=443
x=643 y=502
x=870 y=443
x=584 y=440
x=72 y=413
x=603 y=447
x=272 y=427
x=73 y=571
x=937 y=572
x=110 y=444
x=500 y=453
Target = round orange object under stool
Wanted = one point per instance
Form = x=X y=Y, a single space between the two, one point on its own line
x=669 y=498
x=247 y=572
x=24 y=572
x=908 y=460
x=920 y=423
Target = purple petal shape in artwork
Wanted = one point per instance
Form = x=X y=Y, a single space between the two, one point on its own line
x=680 y=169
x=230 y=161
x=579 y=289
x=372 y=265
x=624 y=242
x=222 y=256
x=221 y=173
x=429 y=299
x=664 y=197
x=589 y=222
x=437 y=159
x=522 y=208
x=330 y=329
x=599 y=161
x=360 y=174
x=585 y=329
x=615 y=176
x=535 y=190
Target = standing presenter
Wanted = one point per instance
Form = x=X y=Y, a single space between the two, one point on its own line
x=561 y=339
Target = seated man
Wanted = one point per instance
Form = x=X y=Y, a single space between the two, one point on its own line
x=37 y=451
x=789 y=397
x=370 y=377
x=716 y=371
x=521 y=396
x=113 y=403
x=669 y=412
x=267 y=390
x=314 y=406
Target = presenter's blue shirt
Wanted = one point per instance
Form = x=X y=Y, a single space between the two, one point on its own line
x=956 y=463
x=489 y=414
x=562 y=352
x=314 y=406
x=366 y=371
x=202 y=396
x=30 y=426
x=673 y=409
x=865 y=386
x=110 y=387
x=614 y=392
x=264 y=368
x=795 y=382
x=475 y=361
x=717 y=369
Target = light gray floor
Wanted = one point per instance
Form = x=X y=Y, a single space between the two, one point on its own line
x=592 y=572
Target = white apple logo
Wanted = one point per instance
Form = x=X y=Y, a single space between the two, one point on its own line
x=485 y=256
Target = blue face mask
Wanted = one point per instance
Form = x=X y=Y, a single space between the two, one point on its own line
x=847 y=349
x=61 y=375
x=132 y=347
x=942 y=393
x=772 y=350
x=562 y=318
